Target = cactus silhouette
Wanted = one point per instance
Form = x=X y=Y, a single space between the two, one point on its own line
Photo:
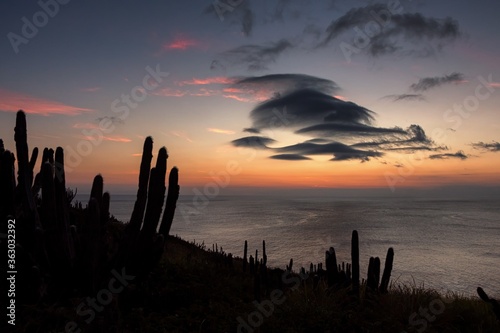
x=62 y=249
x=384 y=284
x=494 y=303
x=245 y=250
x=355 y=262
x=373 y=278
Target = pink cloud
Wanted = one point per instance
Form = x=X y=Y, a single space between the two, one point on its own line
x=11 y=101
x=180 y=43
x=248 y=95
x=209 y=80
x=238 y=98
x=495 y=84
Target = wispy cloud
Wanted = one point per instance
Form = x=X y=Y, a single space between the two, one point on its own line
x=406 y=97
x=109 y=138
x=110 y=119
x=290 y=157
x=181 y=134
x=427 y=83
x=180 y=43
x=494 y=146
x=403 y=33
x=220 y=131
x=260 y=142
x=11 y=101
x=459 y=154
x=253 y=57
x=208 y=80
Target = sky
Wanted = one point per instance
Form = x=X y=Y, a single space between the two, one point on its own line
x=259 y=94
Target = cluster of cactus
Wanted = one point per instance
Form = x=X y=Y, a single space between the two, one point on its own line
x=257 y=269
x=61 y=249
x=345 y=274
x=221 y=257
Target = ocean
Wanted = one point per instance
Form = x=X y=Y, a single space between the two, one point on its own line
x=448 y=245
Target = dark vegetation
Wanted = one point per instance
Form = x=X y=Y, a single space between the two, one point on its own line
x=81 y=270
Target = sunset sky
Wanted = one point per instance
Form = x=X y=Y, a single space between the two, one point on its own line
x=280 y=93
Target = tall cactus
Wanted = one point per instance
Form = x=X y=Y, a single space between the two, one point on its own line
x=384 y=284
x=171 y=201
x=75 y=258
x=245 y=252
x=355 y=262
x=373 y=276
x=142 y=192
x=331 y=266
x=264 y=255
x=156 y=194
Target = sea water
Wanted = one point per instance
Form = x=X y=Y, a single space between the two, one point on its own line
x=448 y=245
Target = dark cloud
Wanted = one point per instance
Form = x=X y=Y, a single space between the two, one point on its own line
x=413 y=139
x=415 y=25
x=362 y=156
x=114 y=120
x=493 y=146
x=255 y=57
x=306 y=107
x=342 y=129
x=340 y=151
x=436 y=81
x=306 y=110
x=290 y=157
x=317 y=140
x=406 y=97
x=259 y=142
x=287 y=82
x=247 y=22
x=459 y=154
x=391 y=33
x=354 y=17
x=239 y=14
x=251 y=130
